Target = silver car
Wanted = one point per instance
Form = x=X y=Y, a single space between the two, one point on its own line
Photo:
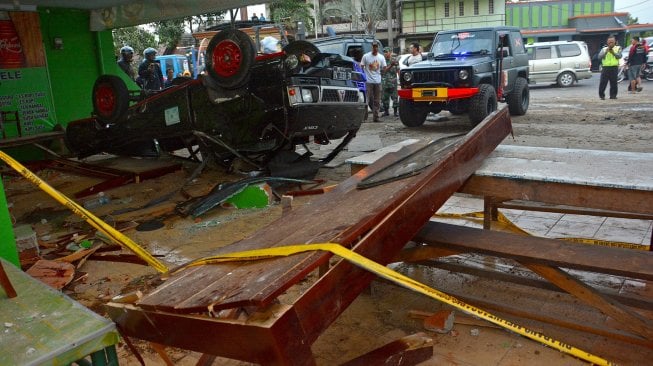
x=558 y=62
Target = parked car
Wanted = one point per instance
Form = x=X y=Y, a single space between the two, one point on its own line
x=251 y=106
x=558 y=62
x=468 y=71
x=346 y=44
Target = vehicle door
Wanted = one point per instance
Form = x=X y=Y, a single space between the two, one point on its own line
x=544 y=63
x=508 y=66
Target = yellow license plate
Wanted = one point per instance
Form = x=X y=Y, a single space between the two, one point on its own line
x=429 y=94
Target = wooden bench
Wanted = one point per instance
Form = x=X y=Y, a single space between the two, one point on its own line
x=196 y=309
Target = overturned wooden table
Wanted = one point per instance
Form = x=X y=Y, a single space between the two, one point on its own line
x=198 y=308
x=588 y=182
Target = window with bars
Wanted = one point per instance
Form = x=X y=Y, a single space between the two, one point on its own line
x=446 y=10
x=491 y=6
x=461 y=8
x=475 y=7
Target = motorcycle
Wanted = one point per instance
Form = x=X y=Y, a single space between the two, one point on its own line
x=647 y=71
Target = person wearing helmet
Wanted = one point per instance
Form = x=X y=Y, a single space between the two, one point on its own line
x=150 y=71
x=125 y=61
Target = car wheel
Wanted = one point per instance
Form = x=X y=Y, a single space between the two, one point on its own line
x=110 y=98
x=566 y=79
x=412 y=114
x=457 y=107
x=295 y=50
x=482 y=104
x=229 y=57
x=519 y=99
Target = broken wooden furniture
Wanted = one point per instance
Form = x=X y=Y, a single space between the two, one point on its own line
x=592 y=182
x=44 y=326
x=198 y=308
x=557 y=261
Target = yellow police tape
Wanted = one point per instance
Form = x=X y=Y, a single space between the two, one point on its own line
x=505 y=224
x=93 y=220
x=401 y=280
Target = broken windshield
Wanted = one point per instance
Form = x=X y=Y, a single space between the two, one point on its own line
x=463 y=43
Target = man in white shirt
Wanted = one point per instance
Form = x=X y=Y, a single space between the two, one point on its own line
x=415 y=54
x=373 y=62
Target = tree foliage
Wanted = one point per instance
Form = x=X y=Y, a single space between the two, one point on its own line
x=370 y=12
x=135 y=37
x=170 y=32
x=289 y=12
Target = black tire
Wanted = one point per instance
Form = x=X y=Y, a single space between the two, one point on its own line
x=229 y=58
x=565 y=79
x=295 y=49
x=519 y=99
x=412 y=114
x=457 y=107
x=110 y=98
x=84 y=137
x=482 y=104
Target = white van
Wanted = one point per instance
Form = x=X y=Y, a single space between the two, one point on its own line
x=558 y=62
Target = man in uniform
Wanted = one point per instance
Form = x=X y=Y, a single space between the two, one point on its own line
x=609 y=56
x=389 y=83
x=125 y=62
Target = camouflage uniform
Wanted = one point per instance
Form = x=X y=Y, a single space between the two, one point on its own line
x=389 y=83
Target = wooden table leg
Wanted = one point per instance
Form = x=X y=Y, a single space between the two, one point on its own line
x=6 y=284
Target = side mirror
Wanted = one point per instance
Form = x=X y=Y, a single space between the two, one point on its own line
x=503 y=52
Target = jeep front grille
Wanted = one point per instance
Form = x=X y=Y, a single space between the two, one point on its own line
x=335 y=95
x=438 y=76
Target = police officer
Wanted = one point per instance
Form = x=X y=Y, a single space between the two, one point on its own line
x=125 y=61
x=609 y=56
x=389 y=82
x=150 y=71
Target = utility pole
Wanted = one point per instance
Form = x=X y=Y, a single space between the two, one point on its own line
x=389 y=23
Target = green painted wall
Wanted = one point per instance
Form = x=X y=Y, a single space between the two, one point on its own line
x=7 y=240
x=73 y=69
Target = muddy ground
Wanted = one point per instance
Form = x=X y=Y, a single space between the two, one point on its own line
x=568 y=118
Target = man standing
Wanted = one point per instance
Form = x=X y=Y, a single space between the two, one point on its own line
x=609 y=56
x=150 y=71
x=373 y=62
x=636 y=58
x=389 y=76
x=125 y=61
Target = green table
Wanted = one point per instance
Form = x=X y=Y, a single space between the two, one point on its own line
x=42 y=326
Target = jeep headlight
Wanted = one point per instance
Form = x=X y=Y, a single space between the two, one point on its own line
x=408 y=76
x=307 y=95
x=463 y=74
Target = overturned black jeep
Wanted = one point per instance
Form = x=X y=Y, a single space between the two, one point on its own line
x=249 y=106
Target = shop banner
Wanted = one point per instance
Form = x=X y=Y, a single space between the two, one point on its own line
x=25 y=100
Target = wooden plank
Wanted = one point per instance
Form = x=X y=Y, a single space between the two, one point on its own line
x=334 y=217
x=266 y=337
x=627 y=319
x=525 y=312
x=625 y=299
x=636 y=201
x=409 y=350
x=616 y=261
x=6 y=283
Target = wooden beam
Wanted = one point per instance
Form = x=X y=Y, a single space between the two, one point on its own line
x=407 y=351
x=626 y=319
x=551 y=252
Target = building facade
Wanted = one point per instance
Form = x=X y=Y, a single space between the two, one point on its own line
x=420 y=20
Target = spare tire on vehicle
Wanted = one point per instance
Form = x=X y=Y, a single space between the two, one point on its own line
x=110 y=98
x=229 y=57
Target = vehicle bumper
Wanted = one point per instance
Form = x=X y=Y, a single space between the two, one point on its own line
x=437 y=94
x=334 y=120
